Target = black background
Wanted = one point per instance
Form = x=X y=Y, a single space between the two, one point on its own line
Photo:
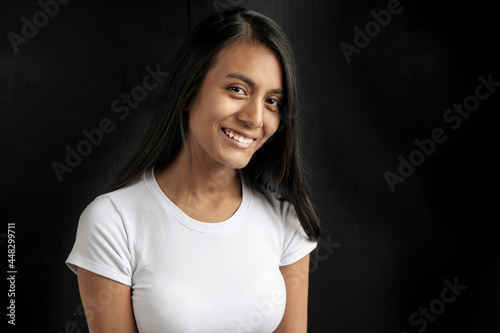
x=384 y=254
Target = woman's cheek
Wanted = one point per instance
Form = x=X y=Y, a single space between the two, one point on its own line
x=274 y=123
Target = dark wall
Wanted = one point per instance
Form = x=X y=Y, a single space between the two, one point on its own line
x=387 y=254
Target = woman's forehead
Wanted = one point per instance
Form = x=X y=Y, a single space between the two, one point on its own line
x=254 y=61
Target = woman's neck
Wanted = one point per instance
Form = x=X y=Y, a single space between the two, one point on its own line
x=210 y=192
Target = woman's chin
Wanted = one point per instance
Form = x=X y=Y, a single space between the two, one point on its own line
x=237 y=163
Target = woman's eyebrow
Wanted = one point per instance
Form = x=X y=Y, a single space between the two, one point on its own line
x=250 y=82
x=242 y=78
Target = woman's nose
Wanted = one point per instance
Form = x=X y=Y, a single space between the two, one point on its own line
x=253 y=114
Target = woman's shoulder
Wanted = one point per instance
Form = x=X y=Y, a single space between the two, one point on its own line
x=264 y=197
x=125 y=198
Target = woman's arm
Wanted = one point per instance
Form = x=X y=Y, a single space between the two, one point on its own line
x=296 y=278
x=107 y=304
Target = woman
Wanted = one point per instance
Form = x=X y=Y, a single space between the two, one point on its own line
x=208 y=227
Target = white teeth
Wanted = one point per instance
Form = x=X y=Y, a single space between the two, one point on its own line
x=241 y=139
x=229 y=133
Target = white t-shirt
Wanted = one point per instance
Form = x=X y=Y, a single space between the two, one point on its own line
x=187 y=275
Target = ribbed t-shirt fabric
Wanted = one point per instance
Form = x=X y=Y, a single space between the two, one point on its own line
x=187 y=275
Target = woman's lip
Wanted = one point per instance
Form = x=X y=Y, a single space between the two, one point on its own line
x=240 y=145
x=240 y=133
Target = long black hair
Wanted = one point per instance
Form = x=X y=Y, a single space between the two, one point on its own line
x=278 y=165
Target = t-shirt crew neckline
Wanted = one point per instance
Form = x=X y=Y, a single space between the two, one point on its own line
x=205 y=227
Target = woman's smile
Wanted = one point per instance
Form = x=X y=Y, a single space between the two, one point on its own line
x=240 y=140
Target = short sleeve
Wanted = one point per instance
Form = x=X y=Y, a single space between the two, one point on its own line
x=101 y=244
x=296 y=244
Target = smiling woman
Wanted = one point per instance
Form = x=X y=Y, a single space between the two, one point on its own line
x=208 y=227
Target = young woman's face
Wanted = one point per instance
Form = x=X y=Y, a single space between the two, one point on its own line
x=237 y=107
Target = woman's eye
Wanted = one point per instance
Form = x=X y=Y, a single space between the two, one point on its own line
x=274 y=102
x=237 y=90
